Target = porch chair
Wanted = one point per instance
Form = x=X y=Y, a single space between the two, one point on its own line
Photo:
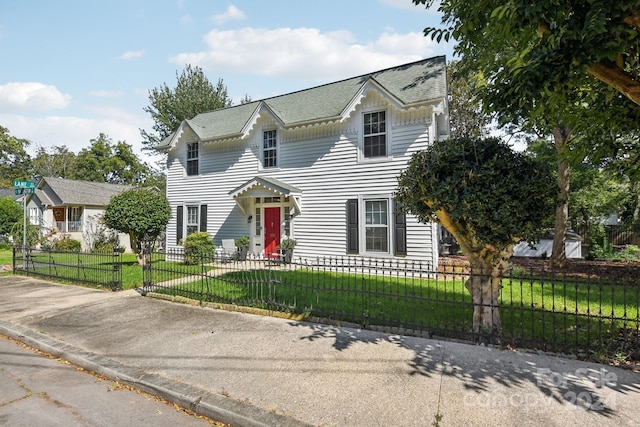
x=227 y=252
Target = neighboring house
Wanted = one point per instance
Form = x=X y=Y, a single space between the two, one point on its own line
x=10 y=192
x=318 y=165
x=73 y=208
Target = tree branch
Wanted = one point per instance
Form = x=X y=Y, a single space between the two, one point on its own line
x=633 y=19
x=618 y=79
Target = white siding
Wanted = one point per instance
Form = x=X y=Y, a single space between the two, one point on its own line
x=322 y=162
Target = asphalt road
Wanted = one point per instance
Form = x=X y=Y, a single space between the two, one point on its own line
x=38 y=390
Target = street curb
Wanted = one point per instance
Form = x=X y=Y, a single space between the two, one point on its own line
x=216 y=407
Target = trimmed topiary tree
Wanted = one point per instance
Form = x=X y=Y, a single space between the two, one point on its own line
x=489 y=198
x=141 y=213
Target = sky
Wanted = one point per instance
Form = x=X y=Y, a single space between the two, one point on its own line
x=72 y=69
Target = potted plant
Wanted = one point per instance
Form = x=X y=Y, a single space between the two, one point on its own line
x=286 y=248
x=242 y=243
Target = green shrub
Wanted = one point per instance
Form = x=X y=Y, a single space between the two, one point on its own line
x=5 y=246
x=105 y=242
x=599 y=245
x=287 y=244
x=630 y=253
x=242 y=242
x=66 y=244
x=198 y=246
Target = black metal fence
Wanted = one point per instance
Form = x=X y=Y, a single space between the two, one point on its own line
x=588 y=318
x=97 y=269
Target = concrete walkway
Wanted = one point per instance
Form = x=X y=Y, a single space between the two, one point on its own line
x=251 y=370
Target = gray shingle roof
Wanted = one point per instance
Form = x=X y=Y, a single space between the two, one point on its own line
x=61 y=191
x=414 y=83
x=8 y=192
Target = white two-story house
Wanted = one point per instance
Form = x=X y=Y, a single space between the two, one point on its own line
x=319 y=165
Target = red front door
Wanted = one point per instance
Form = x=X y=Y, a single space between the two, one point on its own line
x=272 y=231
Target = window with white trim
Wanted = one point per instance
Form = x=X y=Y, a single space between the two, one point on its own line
x=193 y=154
x=376 y=225
x=374 y=135
x=193 y=219
x=287 y=221
x=258 y=222
x=74 y=218
x=34 y=216
x=269 y=149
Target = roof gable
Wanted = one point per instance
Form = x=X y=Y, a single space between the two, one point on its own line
x=408 y=86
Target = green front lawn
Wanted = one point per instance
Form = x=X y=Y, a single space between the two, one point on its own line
x=96 y=269
x=6 y=257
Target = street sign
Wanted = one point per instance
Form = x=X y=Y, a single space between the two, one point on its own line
x=24 y=190
x=23 y=184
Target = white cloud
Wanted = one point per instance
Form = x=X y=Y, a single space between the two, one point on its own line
x=186 y=19
x=32 y=96
x=231 y=14
x=77 y=132
x=132 y=54
x=305 y=53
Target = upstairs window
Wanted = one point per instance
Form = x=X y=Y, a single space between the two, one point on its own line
x=375 y=135
x=269 y=149
x=192 y=158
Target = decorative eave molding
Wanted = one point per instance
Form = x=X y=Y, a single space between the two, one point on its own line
x=371 y=90
x=242 y=193
x=261 y=109
x=370 y=85
x=173 y=139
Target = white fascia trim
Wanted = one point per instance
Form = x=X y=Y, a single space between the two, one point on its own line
x=261 y=108
x=370 y=84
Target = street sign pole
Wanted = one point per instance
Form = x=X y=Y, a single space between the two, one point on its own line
x=24 y=231
x=24 y=188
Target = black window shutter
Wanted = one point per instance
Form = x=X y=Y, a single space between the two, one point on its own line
x=179 y=219
x=203 y=217
x=352 y=226
x=400 y=229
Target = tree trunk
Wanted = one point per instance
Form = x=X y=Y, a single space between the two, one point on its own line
x=558 y=253
x=636 y=212
x=485 y=281
x=485 y=285
x=136 y=247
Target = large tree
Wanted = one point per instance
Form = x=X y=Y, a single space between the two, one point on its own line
x=58 y=162
x=10 y=214
x=14 y=159
x=193 y=94
x=548 y=41
x=489 y=197
x=141 y=213
x=104 y=161
x=467 y=117
x=516 y=78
